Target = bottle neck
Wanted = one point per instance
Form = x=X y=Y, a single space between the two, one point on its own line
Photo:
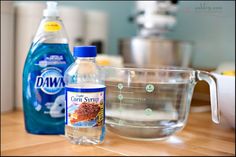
x=56 y=18
x=85 y=59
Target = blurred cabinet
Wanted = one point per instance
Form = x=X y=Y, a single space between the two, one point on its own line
x=7 y=56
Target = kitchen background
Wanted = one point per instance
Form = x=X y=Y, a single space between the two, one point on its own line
x=208 y=25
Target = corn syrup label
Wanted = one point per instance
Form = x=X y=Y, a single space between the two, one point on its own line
x=51 y=26
x=85 y=107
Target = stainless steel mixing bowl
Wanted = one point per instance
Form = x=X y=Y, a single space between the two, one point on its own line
x=143 y=51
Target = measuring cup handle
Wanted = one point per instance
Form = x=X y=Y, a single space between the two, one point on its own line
x=211 y=80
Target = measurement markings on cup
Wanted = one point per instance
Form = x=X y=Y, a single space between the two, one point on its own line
x=120 y=96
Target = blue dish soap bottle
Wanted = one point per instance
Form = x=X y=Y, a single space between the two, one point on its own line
x=43 y=84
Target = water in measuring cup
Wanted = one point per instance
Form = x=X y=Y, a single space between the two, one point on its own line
x=147 y=111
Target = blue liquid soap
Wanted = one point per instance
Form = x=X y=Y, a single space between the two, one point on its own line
x=43 y=85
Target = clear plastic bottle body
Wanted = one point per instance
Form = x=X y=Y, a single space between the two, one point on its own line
x=84 y=74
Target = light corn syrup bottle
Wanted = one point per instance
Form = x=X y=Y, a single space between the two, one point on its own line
x=43 y=83
x=85 y=99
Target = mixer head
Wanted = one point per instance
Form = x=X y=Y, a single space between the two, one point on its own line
x=154 y=17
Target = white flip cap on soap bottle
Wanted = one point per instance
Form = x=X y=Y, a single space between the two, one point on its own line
x=51 y=9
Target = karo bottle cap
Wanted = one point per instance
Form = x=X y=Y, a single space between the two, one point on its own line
x=85 y=51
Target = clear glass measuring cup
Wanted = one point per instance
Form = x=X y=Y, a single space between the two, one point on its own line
x=151 y=103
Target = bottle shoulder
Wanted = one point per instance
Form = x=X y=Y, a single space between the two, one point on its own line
x=82 y=68
x=51 y=30
x=41 y=49
x=83 y=73
x=48 y=55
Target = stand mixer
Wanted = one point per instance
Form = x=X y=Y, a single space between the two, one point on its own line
x=150 y=47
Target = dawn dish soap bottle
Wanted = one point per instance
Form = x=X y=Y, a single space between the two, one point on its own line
x=43 y=84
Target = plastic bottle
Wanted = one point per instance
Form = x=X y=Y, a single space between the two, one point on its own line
x=85 y=99
x=43 y=84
